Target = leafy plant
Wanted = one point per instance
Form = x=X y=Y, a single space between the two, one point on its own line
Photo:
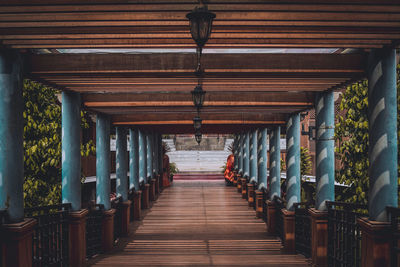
x=351 y=134
x=173 y=169
x=42 y=145
x=305 y=162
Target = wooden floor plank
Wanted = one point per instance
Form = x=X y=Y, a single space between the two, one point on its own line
x=199 y=223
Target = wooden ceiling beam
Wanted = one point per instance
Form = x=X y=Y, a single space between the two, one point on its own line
x=181 y=15
x=180 y=63
x=253 y=6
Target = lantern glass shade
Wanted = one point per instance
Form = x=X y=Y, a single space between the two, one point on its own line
x=198 y=137
x=197 y=123
x=200 y=24
x=198 y=96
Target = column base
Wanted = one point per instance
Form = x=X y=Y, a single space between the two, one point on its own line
x=153 y=189
x=250 y=194
x=288 y=231
x=16 y=243
x=239 y=184
x=259 y=203
x=271 y=215
x=146 y=197
x=243 y=181
x=77 y=237
x=137 y=207
x=125 y=215
x=319 y=237
x=108 y=230
x=375 y=243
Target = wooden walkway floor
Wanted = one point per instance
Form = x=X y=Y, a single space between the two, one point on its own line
x=199 y=223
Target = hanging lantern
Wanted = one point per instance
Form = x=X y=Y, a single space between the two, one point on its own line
x=200 y=24
x=198 y=137
x=198 y=96
x=197 y=123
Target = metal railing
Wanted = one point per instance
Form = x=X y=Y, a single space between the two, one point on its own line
x=254 y=195
x=131 y=197
x=344 y=233
x=279 y=204
x=94 y=226
x=3 y=217
x=302 y=228
x=116 y=204
x=264 y=205
x=394 y=218
x=50 y=235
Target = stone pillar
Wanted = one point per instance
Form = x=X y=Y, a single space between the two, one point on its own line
x=103 y=183
x=71 y=175
x=11 y=135
x=325 y=176
x=325 y=165
x=240 y=163
x=253 y=157
x=262 y=158
x=71 y=149
x=122 y=178
x=293 y=184
x=262 y=169
x=246 y=156
x=382 y=117
x=16 y=235
x=143 y=169
x=150 y=177
x=134 y=159
x=235 y=148
x=160 y=159
x=275 y=163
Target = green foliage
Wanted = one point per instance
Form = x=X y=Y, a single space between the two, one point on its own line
x=308 y=189
x=42 y=145
x=173 y=169
x=351 y=134
x=305 y=162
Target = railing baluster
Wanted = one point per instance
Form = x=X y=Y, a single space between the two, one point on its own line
x=344 y=235
x=94 y=223
x=302 y=229
x=394 y=216
x=47 y=238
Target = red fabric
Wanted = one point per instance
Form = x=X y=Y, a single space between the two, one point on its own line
x=166 y=173
x=228 y=174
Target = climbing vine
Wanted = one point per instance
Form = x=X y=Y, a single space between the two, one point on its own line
x=351 y=135
x=42 y=145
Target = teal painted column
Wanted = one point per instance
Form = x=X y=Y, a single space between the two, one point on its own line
x=240 y=154
x=235 y=154
x=142 y=157
x=160 y=155
x=11 y=135
x=382 y=116
x=122 y=163
x=149 y=155
x=246 y=155
x=134 y=159
x=155 y=154
x=103 y=182
x=275 y=163
x=253 y=157
x=325 y=155
x=293 y=183
x=71 y=149
x=262 y=158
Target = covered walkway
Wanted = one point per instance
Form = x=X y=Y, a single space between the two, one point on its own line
x=200 y=223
